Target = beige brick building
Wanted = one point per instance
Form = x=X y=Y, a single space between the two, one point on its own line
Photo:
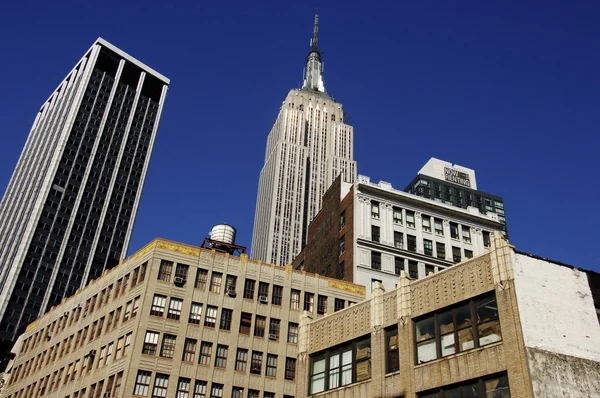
x=503 y=324
x=175 y=320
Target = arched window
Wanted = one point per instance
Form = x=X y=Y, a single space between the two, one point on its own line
x=301 y=107
x=333 y=118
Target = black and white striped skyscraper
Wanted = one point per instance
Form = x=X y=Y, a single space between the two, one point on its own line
x=69 y=208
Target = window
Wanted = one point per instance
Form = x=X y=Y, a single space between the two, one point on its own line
x=210 y=319
x=376 y=260
x=494 y=386
x=215 y=282
x=292 y=333
x=263 y=292
x=375 y=233
x=309 y=301
x=274 y=326
x=260 y=326
x=216 y=391
x=454 y=230
x=195 y=313
x=221 y=357
x=189 y=350
x=271 y=370
x=183 y=387
x=181 y=274
x=150 y=343
x=398 y=240
x=341 y=271
x=338 y=305
x=486 y=238
x=410 y=219
x=158 y=305
x=342 y=219
x=277 y=295
x=175 y=309
x=290 y=368
x=374 y=283
x=413 y=269
x=321 y=304
x=142 y=272
x=411 y=243
x=249 y=289
x=200 y=389
x=340 y=366
x=456 y=256
x=226 y=315
x=374 y=209
x=463 y=327
x=295 y=299
x=466 y=234
x=168 y=346
x=142 y=383
x=256 y=362
x=230 y=285
x=440 y=249
x=240 y=359
x=438 y=226
x=397 y=215
x=342 y=245
x=468 y=253
x=165 y=270
x=161 y=382
x=136 y=307
x=205 y=353
x=237 y=392
x=426 y=223
x=428 y=247
x=127 y=344
x=398 y=265
x=245 y=323
x=256 y=393
x=201 y=278
x=392 y=358
x=429 y=269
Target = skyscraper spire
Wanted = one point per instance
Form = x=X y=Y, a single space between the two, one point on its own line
x=313 y=73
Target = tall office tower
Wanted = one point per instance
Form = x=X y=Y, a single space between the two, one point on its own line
x=309 y=146
x=68 y=211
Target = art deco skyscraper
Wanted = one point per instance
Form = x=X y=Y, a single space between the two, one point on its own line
x=68 y=211
x=308 y=147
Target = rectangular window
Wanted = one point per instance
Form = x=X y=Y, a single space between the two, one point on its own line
x=237 y=392
x=201 y=278
x=397 y=215
x=440 y=249
x=226 y=315
x=175 y=309
x=375 y=233
x=245 y=323
x=274 y=326
x=127 y=344
x=342 y=219
x=429 y=269
x=339 y=304
x=142 y=383
x=195 y=313
x=466 y=234
x=271 y=370
x=290 y=368
x=240 y=359
x=341 y=271
x=181 y=272
x=215 y=282
x=462 y=327
x=411 y=243
x=249 y=289
x=158 y=305
x=468 y=253
x=398 y=240
x=135 y=308
x=205 y=353
x=200 y=389
x=230 y=285
x=210 y=319
x=374 y=209
x=342 y=244
x=295 y=299
x=428 y=247
x=398 y=265
x=438 y=224
x=216 y=390
x=410 y=219
x=392 y=358
x=256 y=393
x=221 y=357
x=161 y=383
x=277 y=295
x=183 y=387
x=456 y=255
x=150 y=343
x=322 y=305
x=374 y=283
x=413 y=269
x=486 y=238
x=492 y=386
x=256 y=362
x=376 y=260
x=263 y=292
x=189 y=350
x=454 y=230
x=426 y=223
x=259 y=326
x=292 y=333
x=167 y=350
x=309 y=301
x=165 y=270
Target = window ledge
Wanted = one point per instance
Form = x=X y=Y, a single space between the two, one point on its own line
x=340 y=388
x=397 y=372
x=459 y=354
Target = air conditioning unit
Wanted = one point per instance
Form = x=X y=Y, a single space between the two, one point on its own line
x=179 y=280
x=263 y=299
x=272 y=336
x=231 y=292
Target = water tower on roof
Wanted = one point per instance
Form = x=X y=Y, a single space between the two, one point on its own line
x=222 y=239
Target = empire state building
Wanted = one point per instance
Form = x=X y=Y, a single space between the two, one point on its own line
x=309 y=146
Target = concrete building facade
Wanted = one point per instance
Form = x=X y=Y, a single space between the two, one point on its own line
x=503 y=324
x=368 y=233
x=69 y=208
x=309 y=146
x=175 y=320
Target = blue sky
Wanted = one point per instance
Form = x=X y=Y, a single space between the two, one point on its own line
x=508 y=89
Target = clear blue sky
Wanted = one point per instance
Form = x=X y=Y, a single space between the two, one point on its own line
x=511 y=90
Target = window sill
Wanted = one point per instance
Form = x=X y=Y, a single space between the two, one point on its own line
x=340 y=388
x=394 y=373
x=459 y=354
